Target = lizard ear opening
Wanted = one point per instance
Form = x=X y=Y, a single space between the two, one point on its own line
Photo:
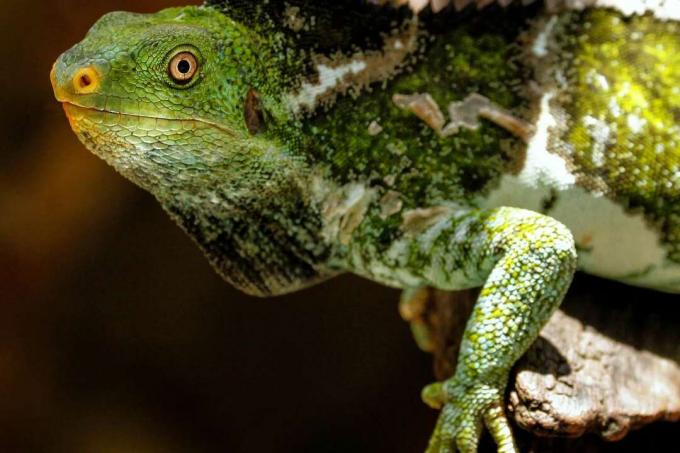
x=254 y=113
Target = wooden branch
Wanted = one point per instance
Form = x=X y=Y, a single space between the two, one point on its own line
x=606 y=363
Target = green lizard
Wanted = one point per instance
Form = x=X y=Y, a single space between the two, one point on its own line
x=294 y=142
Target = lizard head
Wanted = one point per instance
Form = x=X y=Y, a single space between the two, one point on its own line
x=177 y=101
x=190 y=105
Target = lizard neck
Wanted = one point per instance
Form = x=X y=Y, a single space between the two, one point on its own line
x=264 y=244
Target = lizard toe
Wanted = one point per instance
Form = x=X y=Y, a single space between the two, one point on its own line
x=465 y=410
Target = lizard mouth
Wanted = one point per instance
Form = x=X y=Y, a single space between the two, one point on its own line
x=75 y=112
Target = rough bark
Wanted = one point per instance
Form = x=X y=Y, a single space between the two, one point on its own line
x=606 y=363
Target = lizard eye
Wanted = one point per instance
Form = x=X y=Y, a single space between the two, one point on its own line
x=183 y=67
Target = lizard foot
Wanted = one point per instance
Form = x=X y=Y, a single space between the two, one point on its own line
x=465 y=409
x=413 y=304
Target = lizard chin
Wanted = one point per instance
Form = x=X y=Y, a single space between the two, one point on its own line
x=161 y=155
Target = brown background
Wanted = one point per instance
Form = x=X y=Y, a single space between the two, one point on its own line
x=115 y=334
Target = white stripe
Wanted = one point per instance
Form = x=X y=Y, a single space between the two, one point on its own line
x=329 y=78
x=541 y=166
x=661 y=9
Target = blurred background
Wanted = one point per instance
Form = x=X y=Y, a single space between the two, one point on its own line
x=117 y=336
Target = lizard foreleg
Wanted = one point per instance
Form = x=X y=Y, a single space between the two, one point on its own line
x=524 y=262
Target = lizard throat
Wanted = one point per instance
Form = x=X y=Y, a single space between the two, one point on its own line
x=152 y=151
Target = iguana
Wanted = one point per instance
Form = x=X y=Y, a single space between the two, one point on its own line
x=500 y=148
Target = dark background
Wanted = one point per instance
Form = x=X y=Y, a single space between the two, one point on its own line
x=117 y=336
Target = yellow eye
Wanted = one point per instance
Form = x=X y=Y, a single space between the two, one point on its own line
x=183 y=67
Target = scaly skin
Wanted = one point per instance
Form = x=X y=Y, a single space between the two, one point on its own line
x=287 y=159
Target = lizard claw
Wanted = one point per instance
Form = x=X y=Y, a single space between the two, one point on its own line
x=465 y=410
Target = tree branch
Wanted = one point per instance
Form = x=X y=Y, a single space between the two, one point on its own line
x=606 y=363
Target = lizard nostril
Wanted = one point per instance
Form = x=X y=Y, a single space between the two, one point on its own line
x=86 y=80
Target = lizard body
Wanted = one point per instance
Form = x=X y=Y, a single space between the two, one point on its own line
x=293 y=144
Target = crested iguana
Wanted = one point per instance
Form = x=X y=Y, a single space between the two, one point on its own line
x=502 y=148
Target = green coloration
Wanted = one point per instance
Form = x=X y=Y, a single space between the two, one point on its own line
x=313 y=193
x=639 y=58
x=145 y=47
x=426 y=168
x=524 y=262
x=189 y=145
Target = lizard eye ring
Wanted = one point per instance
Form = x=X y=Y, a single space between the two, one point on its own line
x=183 y=67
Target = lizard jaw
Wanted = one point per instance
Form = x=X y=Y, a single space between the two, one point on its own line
x=70 y=106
